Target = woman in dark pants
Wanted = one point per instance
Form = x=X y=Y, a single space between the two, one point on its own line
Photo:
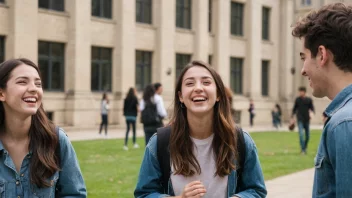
x=130 y=109
x=104 y=114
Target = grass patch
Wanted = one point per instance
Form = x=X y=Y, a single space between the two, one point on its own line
x=110 y=171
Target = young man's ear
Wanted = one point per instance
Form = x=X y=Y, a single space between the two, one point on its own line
x=323 y=55
x=2 y=96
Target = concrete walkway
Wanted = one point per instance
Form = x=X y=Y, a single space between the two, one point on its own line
x=296 y=185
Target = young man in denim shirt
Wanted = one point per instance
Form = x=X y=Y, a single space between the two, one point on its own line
x=326 y=37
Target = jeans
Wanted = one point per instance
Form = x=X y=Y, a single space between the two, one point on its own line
x=128 y=123
x=104 y=122
x=303 y=141
x=251 y=118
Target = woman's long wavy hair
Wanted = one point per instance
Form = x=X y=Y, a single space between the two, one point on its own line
x=225 y=137
x=43 y=139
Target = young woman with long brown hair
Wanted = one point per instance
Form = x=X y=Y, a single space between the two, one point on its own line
x=202 y=144
x=36 y=158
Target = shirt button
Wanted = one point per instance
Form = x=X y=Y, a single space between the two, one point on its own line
x=22 y=175
x=18 y=197
x=17 y=182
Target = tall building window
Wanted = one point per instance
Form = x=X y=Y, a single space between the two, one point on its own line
x=306 y=2
x=58 y=5
x=210 y=14
x=101 y=69
x=184 y=13
x=237 y=18
x=143 y=69
x=102 y=8
x=144 y=11
x=236 y=75
x=181 y=61
x=52 y=65
x=210 y=60
x=266 y=23
x=265 y=78
x=2 y=49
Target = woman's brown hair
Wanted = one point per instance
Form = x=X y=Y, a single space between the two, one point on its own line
x=224 y=142
x=43 y=139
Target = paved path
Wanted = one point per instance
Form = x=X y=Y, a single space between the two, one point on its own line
x=296 y=185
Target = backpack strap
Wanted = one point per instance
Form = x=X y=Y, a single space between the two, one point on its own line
x=163 y=152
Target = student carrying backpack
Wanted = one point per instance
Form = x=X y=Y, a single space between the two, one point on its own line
x=201 y=153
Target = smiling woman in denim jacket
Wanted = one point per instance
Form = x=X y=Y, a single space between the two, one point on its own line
x=203 y=145
x=30 y=166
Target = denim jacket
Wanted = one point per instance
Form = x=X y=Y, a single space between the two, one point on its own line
x=333 y=162
x=251 y=184
x=17 y=184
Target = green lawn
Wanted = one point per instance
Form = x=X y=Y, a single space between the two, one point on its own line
x=110 y=171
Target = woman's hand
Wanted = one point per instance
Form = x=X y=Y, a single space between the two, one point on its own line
x=194 y=189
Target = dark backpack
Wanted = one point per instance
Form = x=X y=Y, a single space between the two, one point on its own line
x=150 y=114
x=163 y=153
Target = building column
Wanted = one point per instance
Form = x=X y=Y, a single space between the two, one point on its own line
x=164 y=70
x=78 y=66
x=201 y=30
x=254 y=33
x=124 y=58
x=286 y=53
x=221 y=58
x=22 y=40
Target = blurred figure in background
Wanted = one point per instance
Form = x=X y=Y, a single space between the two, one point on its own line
x=152 y=110
x=104 y=109
x=130 y=109
x=158 y=87
x=251 y=112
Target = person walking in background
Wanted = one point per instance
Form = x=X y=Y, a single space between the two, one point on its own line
x=152 y=110
x=251 y=113
x=130 y=109
x=326 y=40
x=36 y=157
x=280 y=114
x=301 y=108
x=203 y=145
x=159 y=99
x=104 y=110
x=275 y=114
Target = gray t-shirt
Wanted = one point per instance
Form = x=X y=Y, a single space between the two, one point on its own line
x=215 y=186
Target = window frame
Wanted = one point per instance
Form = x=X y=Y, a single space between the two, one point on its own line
x=51 y=5
x=266 y=12
x=237 y=18
x=184 y=60
x=50 y=58
x=101 y=11
x=145 y=6
x=265 y=78
x=145 y=67
x=101 y=62
x=236 y=75
x=182 y=7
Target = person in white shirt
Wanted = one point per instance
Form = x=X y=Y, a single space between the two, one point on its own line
x=159 y=100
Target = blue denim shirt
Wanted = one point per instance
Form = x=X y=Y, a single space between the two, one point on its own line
x=69 y=179
x=251 y=185
x=333 y=162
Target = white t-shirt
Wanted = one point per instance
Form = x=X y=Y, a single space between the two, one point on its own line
x=215 y=186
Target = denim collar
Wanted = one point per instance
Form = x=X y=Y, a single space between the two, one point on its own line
x=339 y=101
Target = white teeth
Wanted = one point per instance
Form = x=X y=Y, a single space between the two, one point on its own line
x=30 y=100
x=199 y=99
